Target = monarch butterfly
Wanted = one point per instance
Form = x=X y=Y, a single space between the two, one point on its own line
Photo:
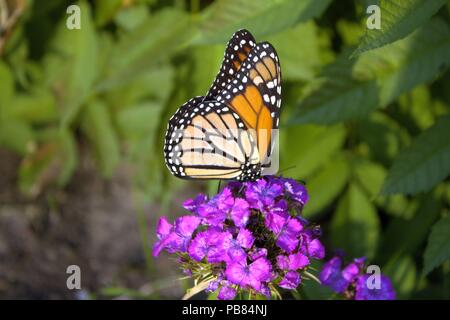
x=228 y=133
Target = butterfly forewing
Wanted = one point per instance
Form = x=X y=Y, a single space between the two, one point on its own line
x=209 y=143
x=255 y=95
x=238 y=48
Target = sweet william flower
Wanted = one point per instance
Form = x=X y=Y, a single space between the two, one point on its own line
x=227 y=293
x=331 y=275
x=208 y=244
x=293 y=261
x=276 y=217
x=250 y=237
x=238 y=272
x=262 y=193
x=258 y=253
x=240 y=212
x=298 y=261
x=163 y=231
x=354 y=282
x=184 y=228
x=224 y=206
x=286 y=228
x=234 y=249
x=351 y=271
x=175 y=238
x=296 y=191
x=365 y=292
x=290 y=281
x=214 y=211
x=193 y=204
x=315 y=249
x=288 y=235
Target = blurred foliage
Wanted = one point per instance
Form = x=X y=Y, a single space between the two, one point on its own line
x=365 y=112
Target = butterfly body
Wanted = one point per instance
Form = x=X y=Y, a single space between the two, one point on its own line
x=228 y=134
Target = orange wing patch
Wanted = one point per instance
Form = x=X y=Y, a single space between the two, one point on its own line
x=251 y=109
x=245 y=110
x=241 y=57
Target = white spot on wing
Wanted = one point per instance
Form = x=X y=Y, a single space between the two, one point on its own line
x=273 y=99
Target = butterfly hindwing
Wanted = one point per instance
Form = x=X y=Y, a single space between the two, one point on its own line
x=209 y=143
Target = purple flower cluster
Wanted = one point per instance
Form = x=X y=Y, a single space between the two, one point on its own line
x=353 y=282
x=249 y=237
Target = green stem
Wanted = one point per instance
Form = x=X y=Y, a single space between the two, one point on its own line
x=143 y=232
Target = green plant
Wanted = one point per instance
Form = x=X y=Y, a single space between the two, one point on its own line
x=365 y=112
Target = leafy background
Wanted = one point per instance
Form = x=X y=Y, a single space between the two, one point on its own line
x=365 y=124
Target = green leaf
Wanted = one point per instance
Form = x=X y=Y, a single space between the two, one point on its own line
x=106 y=10
x=349 y=31
x=155 y=84
x=36 y=169
x=370 y=176
x=68 y=156
x=315 y=291
x=355 y=225
x=336 y=95
x=55 y=160
x=299 y=63
x=147 y=46
x=425 y=163
x=261 y=17
x=315 y=145
x=139 y=124
x=132 y=17
x=403 y=273
x=415 y=109
x=138 y=121
x=350 y=89
x=312 y=290
x=398 y=19
x=326 y=185
x=438 y=248
x=16 y=135
x=6 y=88
x=71 y=64
x=405 y=236
x=97 y=125
x=206 y=63
x=382 y=137
x=38 y=107
x=397 y=205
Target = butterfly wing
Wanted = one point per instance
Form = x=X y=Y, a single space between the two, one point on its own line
x=227 y=133
x=205 y=140
x=255 y=95
x=238 y=48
